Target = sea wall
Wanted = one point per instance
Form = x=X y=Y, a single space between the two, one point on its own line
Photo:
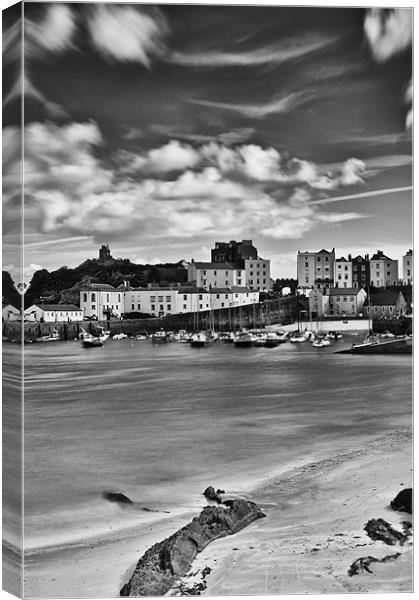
x=281 y=310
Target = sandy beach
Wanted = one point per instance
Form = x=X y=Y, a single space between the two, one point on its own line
x=312 y=533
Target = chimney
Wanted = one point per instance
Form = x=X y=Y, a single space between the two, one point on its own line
x=350 y=257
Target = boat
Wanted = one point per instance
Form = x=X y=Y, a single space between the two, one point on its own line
x=376 y=345
x=95 y=341
x=320 y=342
x=297 y=338
x=260 y=339
x=334 y=335
x=119 y=336
x=244 y=339
x=227 y=337
x=273 y=340
x=140 y=337
x=159 y=337
x=201 y=339
x=53 y=337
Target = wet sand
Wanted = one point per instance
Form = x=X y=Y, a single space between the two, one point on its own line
x=312 y=533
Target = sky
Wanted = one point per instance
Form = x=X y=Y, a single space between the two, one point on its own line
x=161 y=129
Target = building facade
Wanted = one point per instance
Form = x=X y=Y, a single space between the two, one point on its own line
x=215 y=274
x=408 y=267
x=10 y=313
x=101 y=301
x=383 y=270
x=361 y=271
x=53 y=313
x=347 y=302
x=234 y=252
x=258 y=274
x=315 y=268
x=343 y=272
x=386 y=303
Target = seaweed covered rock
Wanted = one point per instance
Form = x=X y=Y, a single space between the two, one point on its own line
x=403 y=501
x=162 y=564
x=362 y=565
x=378 y=529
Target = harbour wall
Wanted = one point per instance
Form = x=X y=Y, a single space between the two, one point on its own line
x=324 y=326
x=280 y=310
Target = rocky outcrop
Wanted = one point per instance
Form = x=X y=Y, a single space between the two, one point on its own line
x=378 y=529
x=362 y=565
x=165 y=562
x=403 y=501
x=117 y=497
x=211 y=494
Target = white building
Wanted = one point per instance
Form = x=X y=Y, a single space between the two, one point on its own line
x=383 y=270
x=215 y=274
x=53 y=313
x=315 y=268
x=10 y=313
x=318 y=302
x=160 y=302
x=258 y=274
x=408 y=267
x=101 y=300
x=343 y=273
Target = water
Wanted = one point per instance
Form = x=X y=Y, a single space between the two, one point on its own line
x=160 y=423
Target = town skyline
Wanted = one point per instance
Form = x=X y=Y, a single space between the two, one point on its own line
x=234 y=137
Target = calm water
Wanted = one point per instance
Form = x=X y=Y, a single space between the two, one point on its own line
x=160 y=423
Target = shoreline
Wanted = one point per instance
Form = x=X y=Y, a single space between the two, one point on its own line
x=104 y=565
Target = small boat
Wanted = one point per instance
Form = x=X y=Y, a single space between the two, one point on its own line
x=386 y=334
x=334 y=336
x=272 y=340
x=140 y=337
x=244 y=339
x=201 y=339
x=297 y=338
x=260 y=339
x=227 y=337
x=92 y=341
x=53 y=337
x=119 y=336
x=160 y=337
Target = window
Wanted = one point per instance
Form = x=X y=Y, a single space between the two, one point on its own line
x=93 y=297
x=218 y=296
x=346 y=277
x=222 y=304
x=251 y=272
x=152 y=298
x=408 y=263
x=226 y=296
x=377 y=274
x=184 y=307
x=318 y=259
x=200 y=296
x=257 y=281
x=107 y=297
x=168 y=298
x=215 y=273
x=345 y=299
x=351 y=298
x=93 y=306
x=339 y=266
x=153 y=307
x=264 y=281
x=339 y=276
x=200 y=306
x=338 y=299
x=185 y=297
x=239 y=281
x=84 y=297
x=207 y=305
x=236 y=295
x=204 y=272
x=160 y=298
x=408 y=271
x=346 y=267
x=251 y=281
x=161 y=307
x=119 y=297
x=138 y=306
x=132 y=306
x=362 y=267
x=169 y=307
x=326 y=259
x=388 y=273
x=226 y=282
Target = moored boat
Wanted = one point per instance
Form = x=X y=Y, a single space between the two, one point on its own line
x=244 y=339
x=375 y=345
x=53 y=337
x=201 y=339
x=160 y=337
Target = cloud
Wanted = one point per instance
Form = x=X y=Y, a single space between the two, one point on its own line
x=274 y=54
x=257 y=111
x=52 y=34
x=369 y=194
x=69 y=192
x=126 y=34
x=388 y=31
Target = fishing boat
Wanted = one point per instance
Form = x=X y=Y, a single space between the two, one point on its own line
x=273 y=340
x=297 y=338
x=201 y=339
x=376 y=345
x=244 y=339
x=227 y=337
x=119 y=336
x=95 y=341
x=260 y=339
x=54 y=336
x=160 y=337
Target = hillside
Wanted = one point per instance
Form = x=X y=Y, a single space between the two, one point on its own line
x=9 y=292
x=63 y=285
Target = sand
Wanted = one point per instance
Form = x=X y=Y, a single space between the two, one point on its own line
x=312 y=533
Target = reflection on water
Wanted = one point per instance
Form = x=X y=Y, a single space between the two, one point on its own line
x=160 y=423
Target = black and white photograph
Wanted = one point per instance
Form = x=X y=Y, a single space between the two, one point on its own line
x=207 y=308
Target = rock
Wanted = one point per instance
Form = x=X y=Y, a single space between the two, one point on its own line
x=164 y=563
x=211 y=494
x=361 y=565
x=378 y=529
x=221 y=492
x=117 y=497
x=403 y=501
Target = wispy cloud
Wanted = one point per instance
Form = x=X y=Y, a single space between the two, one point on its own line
x=363 y=195
x=257 y=111
x=274 y=54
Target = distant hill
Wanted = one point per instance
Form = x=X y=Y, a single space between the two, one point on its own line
x=63 y=285
x=9 y=292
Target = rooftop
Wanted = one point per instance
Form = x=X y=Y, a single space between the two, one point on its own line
x=58 y=307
